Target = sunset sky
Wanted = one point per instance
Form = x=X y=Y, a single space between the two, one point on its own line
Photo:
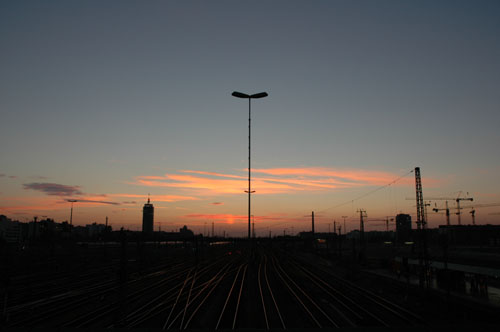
x=107 y=101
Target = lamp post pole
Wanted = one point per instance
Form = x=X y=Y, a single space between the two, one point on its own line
x=249 y=97
x=249 y=159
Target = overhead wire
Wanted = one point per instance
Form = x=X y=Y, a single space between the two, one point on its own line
x=368 y=193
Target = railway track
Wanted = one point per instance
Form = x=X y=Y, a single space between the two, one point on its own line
x=264 y=290
x=373 y=308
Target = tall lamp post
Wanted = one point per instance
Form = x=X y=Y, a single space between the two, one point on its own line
x=249 y=97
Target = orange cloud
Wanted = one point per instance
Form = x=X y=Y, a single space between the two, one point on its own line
x=158 y=198
x=273 y=180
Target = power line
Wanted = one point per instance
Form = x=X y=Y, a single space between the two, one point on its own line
x=368 y=193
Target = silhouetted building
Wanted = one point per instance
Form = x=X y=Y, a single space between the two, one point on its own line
x=403 y=227
x=95 y=230
x=148 y=218
x=185 y=232
x=10 y=230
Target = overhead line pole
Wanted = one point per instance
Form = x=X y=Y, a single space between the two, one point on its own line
x=421 y=226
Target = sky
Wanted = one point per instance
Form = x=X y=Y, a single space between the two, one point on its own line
x=109 y=101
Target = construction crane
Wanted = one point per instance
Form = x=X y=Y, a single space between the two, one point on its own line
x=473 y=215
x=447 y=211
x=459 y=209
x=457 y=199
x=429 y=199
x=474 y=207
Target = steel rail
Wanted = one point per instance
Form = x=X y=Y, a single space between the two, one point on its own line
x=177 y=299
x=308 y=297
x=378 y=300
x=205 y=298
x=207 y=284
x=296 y=296
x=272 y=295
x=355 y=304
x=140 y=317
x=151 y=312
x=111 y=307
x=317 y=281
x=228 y=297
x=239 y=296
x=262 y=296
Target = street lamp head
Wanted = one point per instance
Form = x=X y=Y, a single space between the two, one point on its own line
x=244 y=95
x=240 y=95
x=259 y=95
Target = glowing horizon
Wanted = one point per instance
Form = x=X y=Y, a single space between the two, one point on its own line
x=136 y=100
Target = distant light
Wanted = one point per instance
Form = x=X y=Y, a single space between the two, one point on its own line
x=218 y=243
x=408 y=242
x=388 y=242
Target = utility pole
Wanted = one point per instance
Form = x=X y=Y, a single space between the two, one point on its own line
x=447 y=214
x=71 y=213
x=253 y=228
x=345 y=229
x=334 y=226
x=312 y=220
x=213 y=229
x=362 y=213
x=473 y=215
x=340 y=241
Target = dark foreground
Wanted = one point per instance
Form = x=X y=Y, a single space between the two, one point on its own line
x=227 y=286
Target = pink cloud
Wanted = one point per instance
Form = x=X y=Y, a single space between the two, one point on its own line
x=274 y=180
